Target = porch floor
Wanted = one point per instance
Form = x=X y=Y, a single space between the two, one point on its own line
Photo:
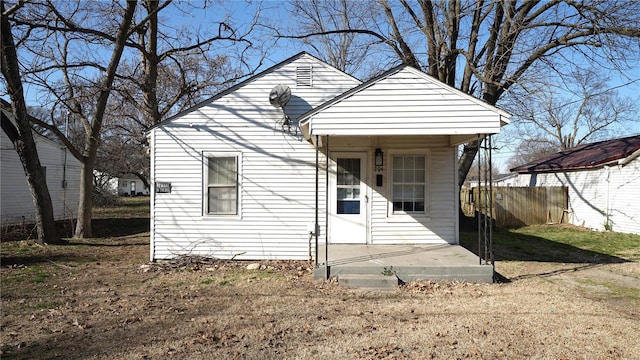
x=407 y=262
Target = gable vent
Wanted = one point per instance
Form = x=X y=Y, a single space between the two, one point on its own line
x=304 y=75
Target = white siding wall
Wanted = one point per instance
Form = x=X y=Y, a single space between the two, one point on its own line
x=596 y=192
x=15 y=197
x=277 y=172
x=624 y=197
x=406 y=103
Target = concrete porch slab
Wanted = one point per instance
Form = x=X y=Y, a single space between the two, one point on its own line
x=407 y=262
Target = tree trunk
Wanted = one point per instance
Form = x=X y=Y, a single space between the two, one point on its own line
x=23 y=141
x=150 y=62
x=469 y=152
x=85 y=202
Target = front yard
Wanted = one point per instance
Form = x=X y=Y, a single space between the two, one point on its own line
x=569 y=294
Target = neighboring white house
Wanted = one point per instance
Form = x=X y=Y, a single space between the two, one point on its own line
x=602 y=179
x=237 y=177
x=125 y=185
x=506 y=180
x=131 y=185
x=63 y=180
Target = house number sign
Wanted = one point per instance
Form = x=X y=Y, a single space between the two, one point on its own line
x=163 y=187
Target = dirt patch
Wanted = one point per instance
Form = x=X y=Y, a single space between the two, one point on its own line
x=96 y=301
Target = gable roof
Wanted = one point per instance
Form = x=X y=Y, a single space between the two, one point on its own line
x=586 y=156
x=403 y=100
x=245 y=82
x=306 y=116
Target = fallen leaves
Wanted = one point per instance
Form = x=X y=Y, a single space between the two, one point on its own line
x=381 y=352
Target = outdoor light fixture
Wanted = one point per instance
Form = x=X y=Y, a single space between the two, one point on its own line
x=379 y=159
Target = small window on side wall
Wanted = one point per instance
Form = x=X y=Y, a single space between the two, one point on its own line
x=222 y=185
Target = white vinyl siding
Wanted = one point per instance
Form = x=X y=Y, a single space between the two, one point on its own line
x=222 y=185
x=408 y=102
x=276 y=194
x=63 y=182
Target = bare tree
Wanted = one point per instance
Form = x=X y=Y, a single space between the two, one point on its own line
x=173 y=68
x=344 y=50
x=123 y=149
x=528 y=151
x=583 y=108
x=66 y=42
x=173 y=71
x=21 y=135
x=65 y=48
x=485 y=48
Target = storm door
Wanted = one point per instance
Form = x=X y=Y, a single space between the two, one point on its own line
x=349 y=198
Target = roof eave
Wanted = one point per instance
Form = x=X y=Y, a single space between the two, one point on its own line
x=566 y=168
x=630 y=158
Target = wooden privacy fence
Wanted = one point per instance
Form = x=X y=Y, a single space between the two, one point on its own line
x=519 y=206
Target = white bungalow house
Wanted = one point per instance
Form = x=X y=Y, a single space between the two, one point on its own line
x=602 y=182
x=131 y=185
x=237 y=177
x=63 y=180
x=124 y=185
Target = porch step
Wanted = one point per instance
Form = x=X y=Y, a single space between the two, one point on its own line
x=466 y=273
x=371 y=281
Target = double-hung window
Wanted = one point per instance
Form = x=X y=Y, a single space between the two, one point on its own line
x=222 y=185
x=409 y=184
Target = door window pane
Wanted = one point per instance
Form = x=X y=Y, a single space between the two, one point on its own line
x=348 y=186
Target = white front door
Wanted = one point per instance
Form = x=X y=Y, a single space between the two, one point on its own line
x=348 y=198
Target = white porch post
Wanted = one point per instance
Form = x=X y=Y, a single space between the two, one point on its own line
x=326 y=207
x=315 y=225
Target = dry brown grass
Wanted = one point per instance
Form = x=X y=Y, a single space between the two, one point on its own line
x=111 y=307
x=92 y=299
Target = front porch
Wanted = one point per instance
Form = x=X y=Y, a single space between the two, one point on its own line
x=406 y=262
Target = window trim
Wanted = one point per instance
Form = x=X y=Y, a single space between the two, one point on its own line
x=205 y=184
x=391 y=214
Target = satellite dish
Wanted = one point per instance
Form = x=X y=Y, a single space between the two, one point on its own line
x=280 y=95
